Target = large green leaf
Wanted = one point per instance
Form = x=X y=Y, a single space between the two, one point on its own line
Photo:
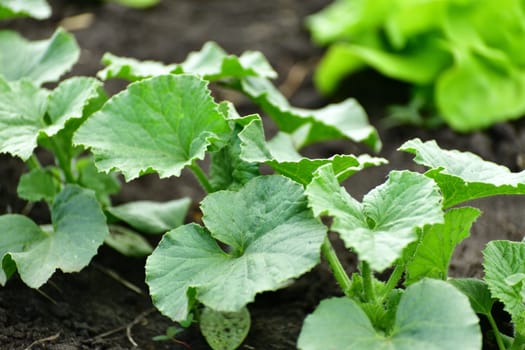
x=385 y=223
x=39 y=9
x=132 y=69
x=346 y=119
x=78 y=229
x=437 y=244
x=463 y=176
x=160 y=124
x=504 y=264
x=40 y=61
x=27 y=111
x=431 y=315
x=269 y=235
x=152 y=217
x=477 y=292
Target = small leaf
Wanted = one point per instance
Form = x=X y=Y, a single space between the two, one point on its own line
x=161 y=124
x=431 y=315
x=224 y=330
x=79 y=228
x=103 y=184
x=434 y=251
x=128 y=242
x=152 y=217
x=464 y=176
x=477 y=292
x=38 y=9
x=270 y=237
x=40 y=61
x=385 y=223
x=503 y=262
x=38 y=184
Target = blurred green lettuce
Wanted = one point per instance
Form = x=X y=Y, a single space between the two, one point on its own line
x=467 y=55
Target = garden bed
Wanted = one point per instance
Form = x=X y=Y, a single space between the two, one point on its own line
x=98 y=308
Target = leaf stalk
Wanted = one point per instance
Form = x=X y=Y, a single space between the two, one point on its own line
x=339 y=272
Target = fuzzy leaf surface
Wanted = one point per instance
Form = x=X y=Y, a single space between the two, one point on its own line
x=464 y=176
x=38 y=9
x=434 y=251
x=224 y=330
x=152 y=217
x=161 y=124
x=270 y=234
x=382 y=225
x=504 y=265
x=431 y=315
x=39 y=61
x=78 y=229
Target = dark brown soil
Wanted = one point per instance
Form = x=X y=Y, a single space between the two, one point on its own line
x=94 y=309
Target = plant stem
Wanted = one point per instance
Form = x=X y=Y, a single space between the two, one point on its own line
x=368 y=284
x=64 y=161
x=497 y=334
x=33 y=162
x=201 y=177
x=335 y=265
x=393 y=280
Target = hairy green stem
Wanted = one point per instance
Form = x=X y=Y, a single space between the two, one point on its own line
x=368 y=284
x=201 y=177
x=393 y=280
x=497 y=334
x=335 y=265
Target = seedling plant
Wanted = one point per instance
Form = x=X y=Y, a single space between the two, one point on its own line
x=258 y=231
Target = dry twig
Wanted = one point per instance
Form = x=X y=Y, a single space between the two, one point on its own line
x=43 y=340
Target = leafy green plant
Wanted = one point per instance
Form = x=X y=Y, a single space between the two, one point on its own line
x=472 y=73
x=411 y=224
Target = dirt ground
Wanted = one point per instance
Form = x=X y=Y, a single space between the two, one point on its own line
x=96 y=310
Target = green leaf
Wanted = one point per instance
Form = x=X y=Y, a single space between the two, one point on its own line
x=269 y=236
x=431 y=315
x=385 y=223
x=103 y=184
x=152 y=217
x=38 y=184
x=464 y=176
x=128 y=242
x=27 y=112
x=38 y=9
x=504 y=264
x=211 y=63
x=224 y=330
x=346 y=119
x=437 y=244
x=79 y=228
x=40 y=61
x=132 y=69
x=477 y=292
x=279 y=153
x=22 y=108
x=161 y=124
x=227 y=169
